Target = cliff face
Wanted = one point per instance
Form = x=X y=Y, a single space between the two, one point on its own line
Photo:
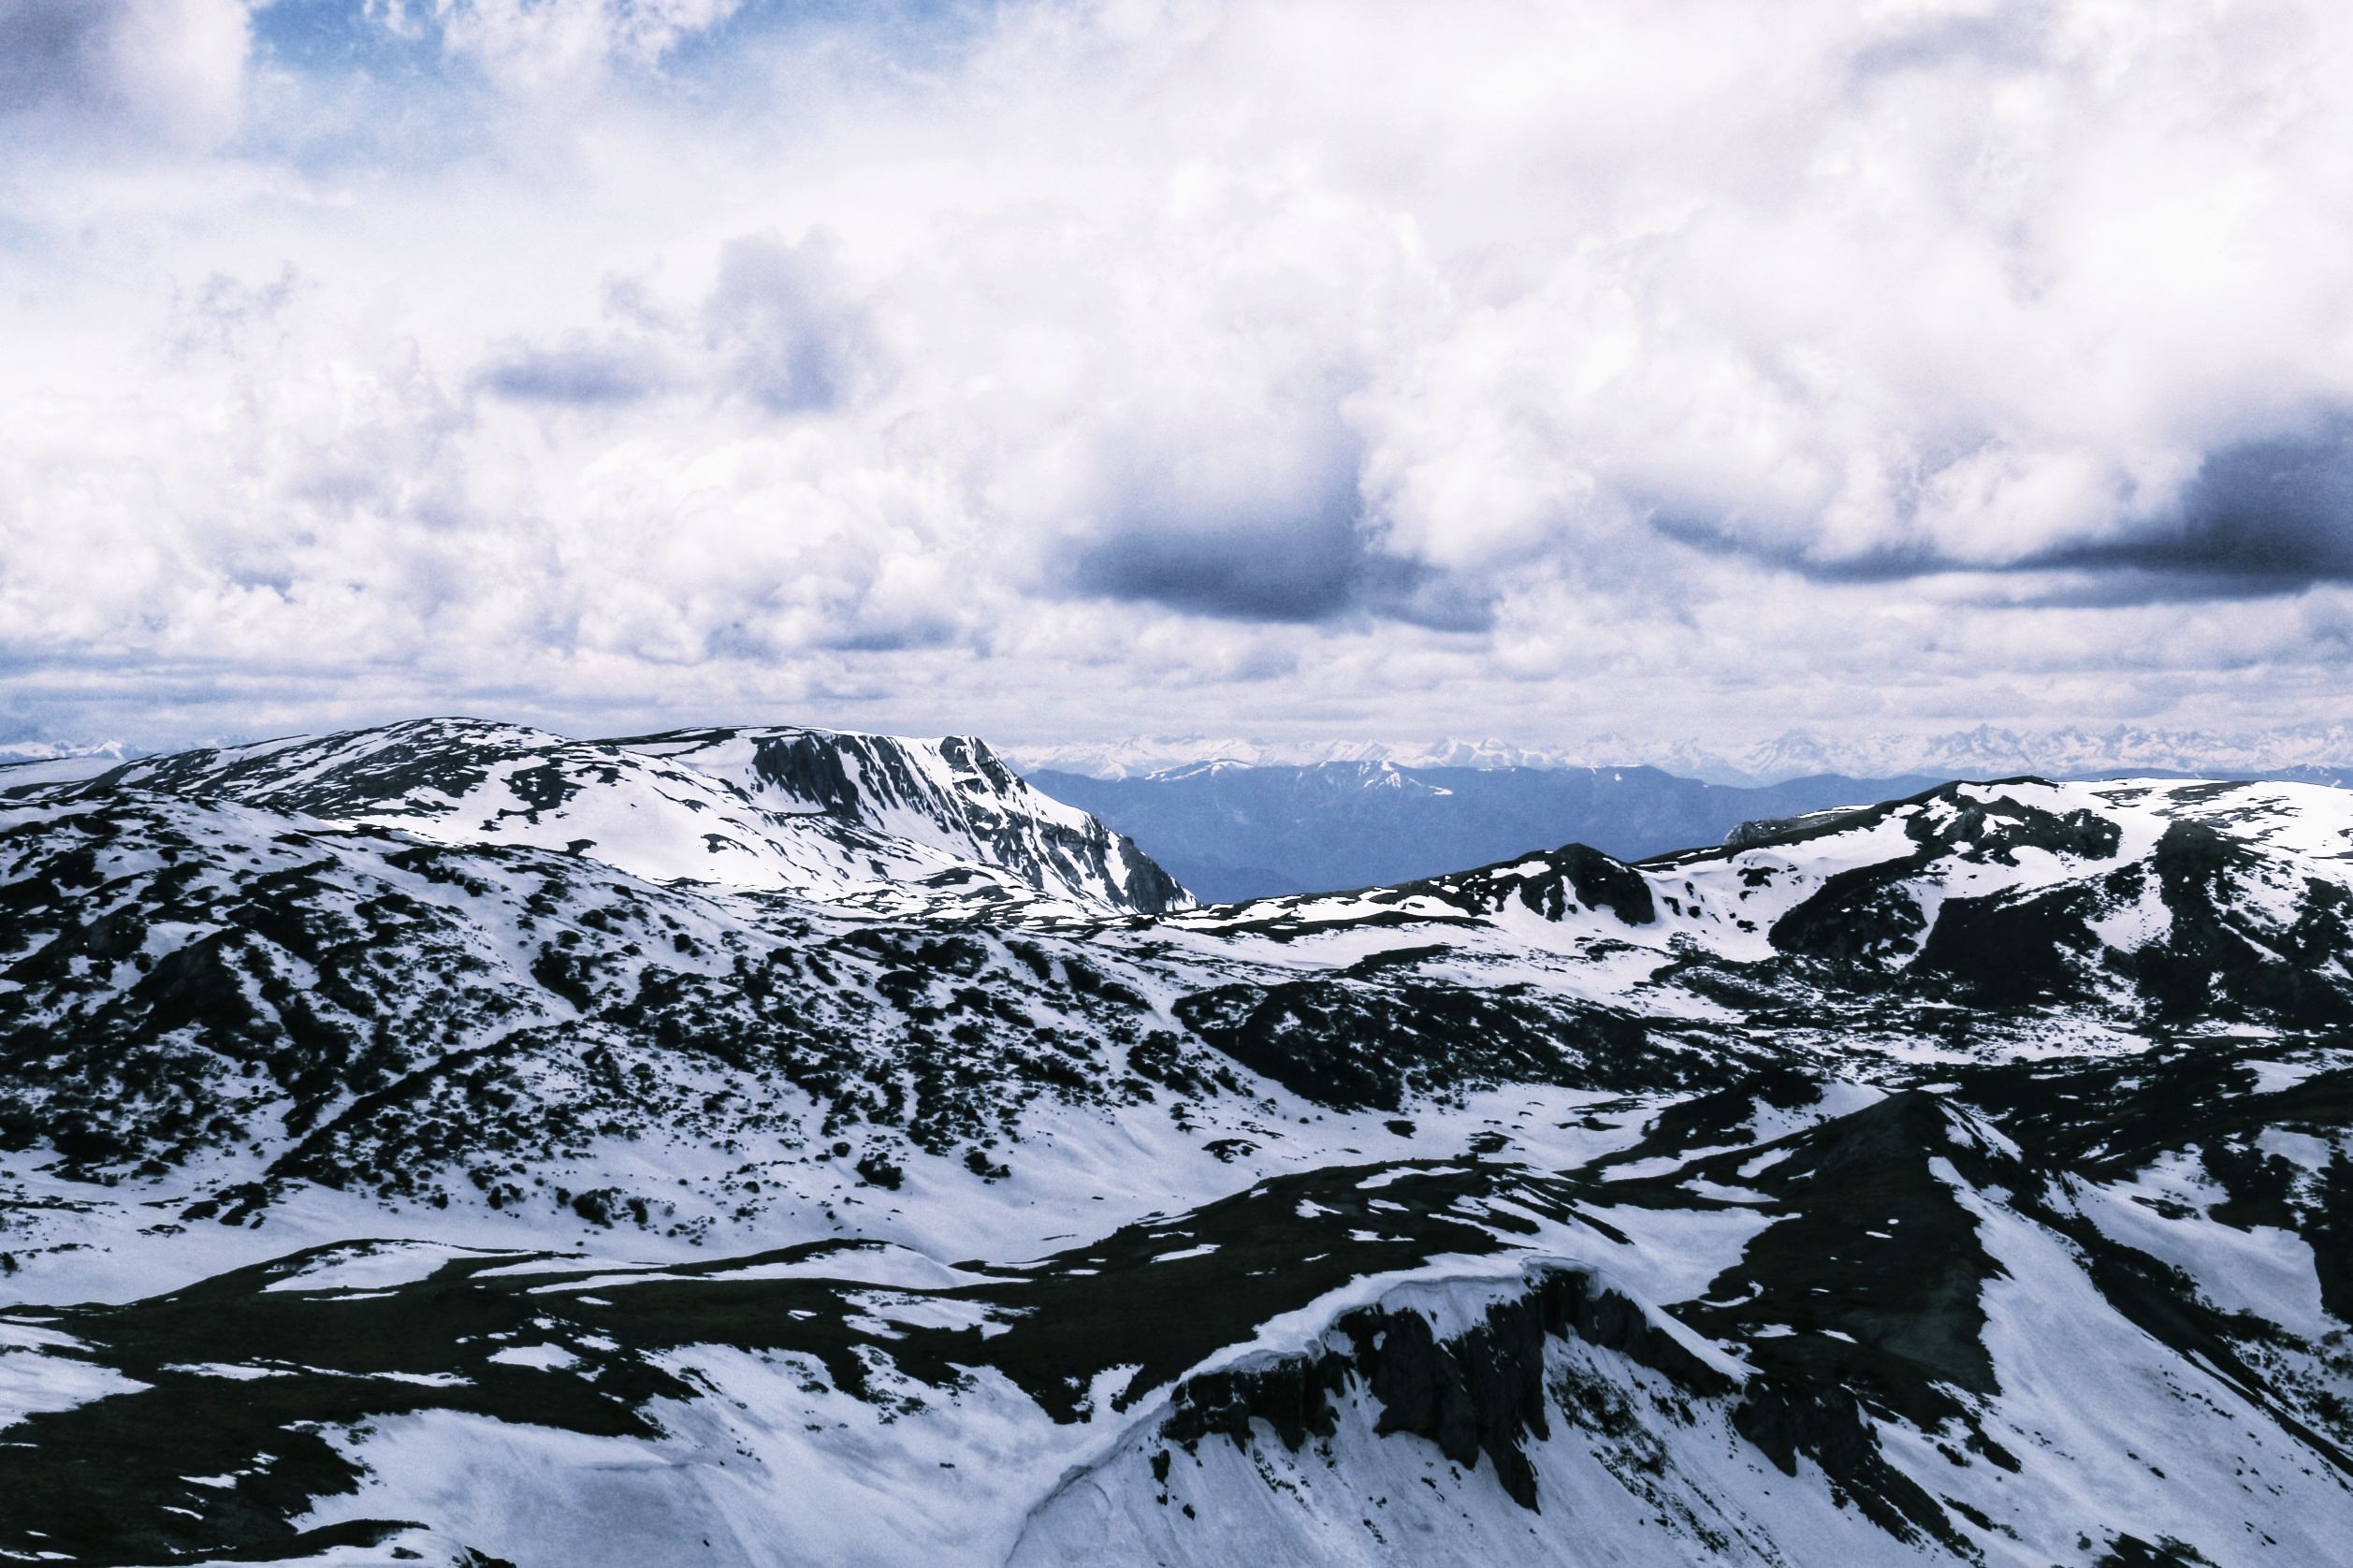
x=953 y=793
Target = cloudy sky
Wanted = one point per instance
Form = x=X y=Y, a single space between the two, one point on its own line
x=1070 y=370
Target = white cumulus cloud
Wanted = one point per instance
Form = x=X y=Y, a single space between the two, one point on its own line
x=1135 y=365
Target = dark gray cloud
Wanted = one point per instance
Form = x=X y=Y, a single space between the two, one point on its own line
x=2270 y=516
x=2263 y=517
x=1242 y=573
x=50 y=52
x=1884 y=563
x=1298 y=569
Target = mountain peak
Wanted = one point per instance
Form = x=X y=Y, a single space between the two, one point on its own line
x=869 y=819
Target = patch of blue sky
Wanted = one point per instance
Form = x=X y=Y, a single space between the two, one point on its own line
x=372 y=94
x=329 y=37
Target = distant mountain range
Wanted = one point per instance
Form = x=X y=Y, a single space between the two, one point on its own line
x=2315 y=753
x=1230 y=832
x=14 y=751
x=2311 y=753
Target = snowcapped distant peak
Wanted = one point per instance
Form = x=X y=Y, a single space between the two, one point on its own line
x=1984 y=750
x=53 y=750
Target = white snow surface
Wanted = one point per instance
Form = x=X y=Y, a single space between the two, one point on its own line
x=778 y=1464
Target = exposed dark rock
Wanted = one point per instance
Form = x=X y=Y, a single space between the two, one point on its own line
x=1866 y=917
x=1827 y=1425
x=876 y=1172
x=2130 y=1551
x=1292 y=1394
x=2006 y=951
x=1478 y=1393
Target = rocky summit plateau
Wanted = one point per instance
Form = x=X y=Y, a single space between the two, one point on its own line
x=454 y=1143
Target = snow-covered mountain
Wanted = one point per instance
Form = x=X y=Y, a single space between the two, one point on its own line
x=846 y=818
x=2321 y=753
x=387 y=1175
x=67 y=758
x=1139 y=756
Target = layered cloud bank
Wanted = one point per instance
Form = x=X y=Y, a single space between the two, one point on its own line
x=1068 y=370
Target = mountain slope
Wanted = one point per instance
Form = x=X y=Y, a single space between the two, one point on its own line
x=818 y=814
x=953 y=795
x=1888 y=1335
x=383 y=1178
x=1997 y=911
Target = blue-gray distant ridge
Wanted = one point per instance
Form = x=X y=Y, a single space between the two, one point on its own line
x=1231 y=832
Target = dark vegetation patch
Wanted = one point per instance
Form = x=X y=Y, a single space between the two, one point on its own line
x=1572 y=876
x=2130 y=1551
x=1715 y=1117
x=1867 y=917
x=1365 y=1047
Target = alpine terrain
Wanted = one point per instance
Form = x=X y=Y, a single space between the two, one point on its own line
x=454 y=1143
x=1232 y=832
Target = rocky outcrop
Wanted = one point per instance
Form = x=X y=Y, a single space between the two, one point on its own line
x=1483 y=1391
